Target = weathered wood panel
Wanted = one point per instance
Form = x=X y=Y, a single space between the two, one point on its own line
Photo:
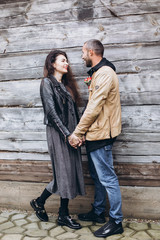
x=20 y=93
x=140 y=118
x=60 y=35
x=123 y=151
x=135 y=159
x=120 y=148
x=38 y=171
x=36 y=136
x=149 y=68
x=11 y=66
x=124 y=7
x=141 y=98
x=27 y=13
x=132 y=152
x=134 y=119
x=134 y=90
x=27 y=136
x=16 y=146
x=133 y=137
x=27 y=156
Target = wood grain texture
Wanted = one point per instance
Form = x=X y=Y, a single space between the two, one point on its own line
x=60 y=35
x=27 y=13
x=41 y=136
x=134 y=90
x=129 y=31
x=144 y=118
x=141 y=174
x=140 y=60
x=120 y=147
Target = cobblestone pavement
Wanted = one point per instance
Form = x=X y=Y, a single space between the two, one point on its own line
x=16 y=225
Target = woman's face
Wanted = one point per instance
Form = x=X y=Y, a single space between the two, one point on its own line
x=61 y=64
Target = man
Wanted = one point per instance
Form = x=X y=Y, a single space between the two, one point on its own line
x=101 y=124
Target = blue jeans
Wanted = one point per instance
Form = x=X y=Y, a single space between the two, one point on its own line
x=106 y=182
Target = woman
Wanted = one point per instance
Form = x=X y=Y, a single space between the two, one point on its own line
x=59 y=96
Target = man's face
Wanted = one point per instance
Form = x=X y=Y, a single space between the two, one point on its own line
x=86 y=57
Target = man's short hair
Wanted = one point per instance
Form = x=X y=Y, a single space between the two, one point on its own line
x=96 y=46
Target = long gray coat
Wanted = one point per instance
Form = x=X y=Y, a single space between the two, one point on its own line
x=60 y=116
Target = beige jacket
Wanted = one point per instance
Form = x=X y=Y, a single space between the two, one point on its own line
x=102 y=117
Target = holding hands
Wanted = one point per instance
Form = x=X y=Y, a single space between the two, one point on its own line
x=75 y=141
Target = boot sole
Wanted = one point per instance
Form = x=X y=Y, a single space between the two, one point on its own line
x=63 y=224
x=41 y=218
x=118 y=231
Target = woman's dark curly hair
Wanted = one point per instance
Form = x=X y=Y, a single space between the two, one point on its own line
x=68 y=79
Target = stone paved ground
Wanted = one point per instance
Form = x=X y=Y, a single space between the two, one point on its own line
x=16 y=225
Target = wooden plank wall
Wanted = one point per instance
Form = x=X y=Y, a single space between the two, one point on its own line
x=130 y=32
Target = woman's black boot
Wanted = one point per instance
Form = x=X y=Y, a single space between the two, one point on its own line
x=38 y=205
x=65 y=220
x=40 y=210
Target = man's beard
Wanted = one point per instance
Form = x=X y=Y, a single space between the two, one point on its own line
x=88 y=63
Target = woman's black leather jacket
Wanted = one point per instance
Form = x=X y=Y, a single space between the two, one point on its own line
x=59 y=109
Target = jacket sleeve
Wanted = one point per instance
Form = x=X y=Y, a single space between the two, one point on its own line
x=103 y=84
x=47 y=96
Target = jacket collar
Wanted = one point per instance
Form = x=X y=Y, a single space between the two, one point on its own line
x=54 y=81
x=57 y=84
x=103 y=62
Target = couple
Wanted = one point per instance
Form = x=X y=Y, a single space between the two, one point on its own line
x=100 y=124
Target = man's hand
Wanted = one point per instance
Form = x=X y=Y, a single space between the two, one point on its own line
x=74 y=141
